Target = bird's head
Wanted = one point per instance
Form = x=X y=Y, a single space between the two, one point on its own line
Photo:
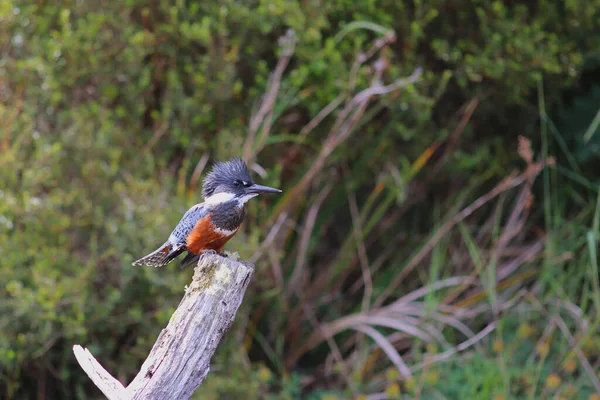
x=231 y=181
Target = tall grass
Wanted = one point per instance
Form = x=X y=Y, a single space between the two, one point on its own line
x=486 y=282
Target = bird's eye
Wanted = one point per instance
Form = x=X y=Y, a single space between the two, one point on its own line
x=237 y=182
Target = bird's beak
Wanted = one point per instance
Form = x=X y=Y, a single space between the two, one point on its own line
x=262 y=189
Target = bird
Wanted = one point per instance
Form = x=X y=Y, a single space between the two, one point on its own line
x=207 y=226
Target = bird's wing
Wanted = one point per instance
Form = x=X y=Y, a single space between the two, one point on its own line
x=187 y=223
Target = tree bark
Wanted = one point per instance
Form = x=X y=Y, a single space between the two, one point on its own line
x=180 y=359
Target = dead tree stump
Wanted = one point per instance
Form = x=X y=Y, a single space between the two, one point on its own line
x=180 y=359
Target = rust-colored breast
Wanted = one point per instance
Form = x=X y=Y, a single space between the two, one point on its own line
x=204 y=237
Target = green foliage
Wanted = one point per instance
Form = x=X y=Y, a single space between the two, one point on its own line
x=108 y=108
x=578 y=126
x=522 y=362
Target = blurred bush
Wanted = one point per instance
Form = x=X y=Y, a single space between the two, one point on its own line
x=111 y=109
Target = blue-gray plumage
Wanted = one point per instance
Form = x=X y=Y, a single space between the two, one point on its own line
x=209 y=225
x=187 y=223
x=223 y=176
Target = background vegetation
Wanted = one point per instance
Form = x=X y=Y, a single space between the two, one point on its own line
x=438 y=234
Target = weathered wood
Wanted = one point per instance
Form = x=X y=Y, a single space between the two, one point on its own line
x=180 y=358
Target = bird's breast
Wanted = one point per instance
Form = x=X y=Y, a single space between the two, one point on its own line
x=207 y=236
x=227 y=216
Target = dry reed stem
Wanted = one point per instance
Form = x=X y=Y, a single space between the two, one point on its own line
x=263 y=116
x=507 y=184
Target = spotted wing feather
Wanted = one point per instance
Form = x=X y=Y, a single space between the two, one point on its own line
x=161 y=256
x=187 y=223
x=176 y=244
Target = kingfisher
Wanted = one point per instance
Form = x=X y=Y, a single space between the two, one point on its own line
x=207 y=226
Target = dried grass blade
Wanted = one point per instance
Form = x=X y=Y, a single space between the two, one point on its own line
x=387 y=348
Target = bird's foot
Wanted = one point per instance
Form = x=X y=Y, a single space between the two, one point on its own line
x=206 y=253
x=213 y=252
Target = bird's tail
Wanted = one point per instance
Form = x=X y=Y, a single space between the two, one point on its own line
x=161 y=256
x=189 y=259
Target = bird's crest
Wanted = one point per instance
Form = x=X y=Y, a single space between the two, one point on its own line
x=225 y=172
